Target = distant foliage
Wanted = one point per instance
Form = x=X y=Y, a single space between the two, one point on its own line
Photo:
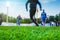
x=10 y=19
x=28 y=20
x=51 y=18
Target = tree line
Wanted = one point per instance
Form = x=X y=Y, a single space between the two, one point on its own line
x=27 y=20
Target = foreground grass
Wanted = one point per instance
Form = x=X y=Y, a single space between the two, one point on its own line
x=29 y=33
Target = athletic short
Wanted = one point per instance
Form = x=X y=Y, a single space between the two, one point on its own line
x=43 y=20
x=18 y=22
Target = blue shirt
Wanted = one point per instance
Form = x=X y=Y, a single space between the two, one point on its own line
x=43 y=15
x=18 y=21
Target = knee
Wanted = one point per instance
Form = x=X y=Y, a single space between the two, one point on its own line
x=31 y=17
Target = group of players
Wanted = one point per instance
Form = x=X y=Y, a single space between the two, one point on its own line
x=33 y=7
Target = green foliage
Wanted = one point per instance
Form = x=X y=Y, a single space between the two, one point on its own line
x=3 y=17
x=28 y=20
x=29 y=33
x=51 y=18
x=10 y=19
x=57 y=17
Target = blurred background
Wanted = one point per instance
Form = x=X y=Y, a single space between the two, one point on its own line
x=10 y=9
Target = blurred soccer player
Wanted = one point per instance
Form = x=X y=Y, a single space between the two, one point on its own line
x=43 y=17
x=33 y=6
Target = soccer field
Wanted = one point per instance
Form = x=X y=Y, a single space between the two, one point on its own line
x=29 y=33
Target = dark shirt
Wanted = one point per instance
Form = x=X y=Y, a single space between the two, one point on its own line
x=19 y=18
x=33 y=4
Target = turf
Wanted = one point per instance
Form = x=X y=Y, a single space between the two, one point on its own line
x=29 y=33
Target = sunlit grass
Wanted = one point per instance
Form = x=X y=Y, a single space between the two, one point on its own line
x=29 y=33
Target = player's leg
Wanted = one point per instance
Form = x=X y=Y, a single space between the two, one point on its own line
x=0 y=23
x=32 y=13
x=43 y=21
x=19 y=22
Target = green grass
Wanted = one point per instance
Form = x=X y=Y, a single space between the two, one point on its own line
x=29 y=33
